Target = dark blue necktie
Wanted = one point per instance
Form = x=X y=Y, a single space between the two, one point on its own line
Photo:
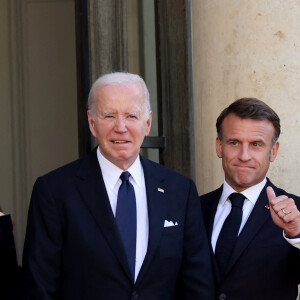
x=229 y=232
x=126 y=219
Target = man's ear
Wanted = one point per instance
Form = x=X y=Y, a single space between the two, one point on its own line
x=274 y=151
x=149 y=122
x=91 y=123
x=219 y=147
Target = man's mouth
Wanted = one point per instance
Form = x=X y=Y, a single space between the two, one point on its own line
x=119 y=142
x=244 y=167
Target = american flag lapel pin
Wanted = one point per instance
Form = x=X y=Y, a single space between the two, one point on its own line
x=160 y=190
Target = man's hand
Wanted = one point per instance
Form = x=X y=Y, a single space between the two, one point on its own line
x=1 y=214
x=284 y=213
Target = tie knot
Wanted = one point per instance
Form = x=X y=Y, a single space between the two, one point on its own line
x=237 y=199
x=125 y=176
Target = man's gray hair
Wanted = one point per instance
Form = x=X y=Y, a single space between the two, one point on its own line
x=119 y=78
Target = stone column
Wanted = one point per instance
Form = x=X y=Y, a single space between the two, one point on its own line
x=107 y=37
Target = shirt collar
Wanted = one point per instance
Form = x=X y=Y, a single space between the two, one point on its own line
x=252 y=193
x=112 y=173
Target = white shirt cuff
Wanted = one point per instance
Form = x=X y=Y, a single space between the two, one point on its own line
x=293 y=242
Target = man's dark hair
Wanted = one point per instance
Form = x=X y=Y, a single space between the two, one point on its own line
x=250 y=108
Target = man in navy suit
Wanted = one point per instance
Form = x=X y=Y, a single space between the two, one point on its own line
x=9 y=281
x=74 y=246
x=262 y=264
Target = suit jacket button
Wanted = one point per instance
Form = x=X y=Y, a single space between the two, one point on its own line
x=134 y=295
x=222 y=296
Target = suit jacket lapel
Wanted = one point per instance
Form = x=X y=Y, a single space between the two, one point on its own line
x=94 y=195
x=157 y=203
x=257 y=218
x=211 y=210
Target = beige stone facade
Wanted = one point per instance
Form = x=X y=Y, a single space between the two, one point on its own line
x=246 y=49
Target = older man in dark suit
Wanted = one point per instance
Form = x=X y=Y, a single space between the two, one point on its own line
x=115 y=225
x=253 y=257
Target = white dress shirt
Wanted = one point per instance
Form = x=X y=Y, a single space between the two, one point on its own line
x=111 y=176
x=224 y=207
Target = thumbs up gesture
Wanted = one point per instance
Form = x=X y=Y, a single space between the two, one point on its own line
x=284 y=212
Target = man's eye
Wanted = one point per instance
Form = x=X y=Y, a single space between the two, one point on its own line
x=109 y=117
x=255 y=144
x=132 y=116
x=233 y=143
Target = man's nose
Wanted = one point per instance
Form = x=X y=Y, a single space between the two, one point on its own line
x=120 y=125
x=245 y=154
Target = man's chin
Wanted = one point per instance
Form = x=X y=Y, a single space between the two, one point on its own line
x=244 y=185
x=123 y=160
x=241 y=184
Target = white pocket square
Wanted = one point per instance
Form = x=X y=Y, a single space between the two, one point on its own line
x=170 y=223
